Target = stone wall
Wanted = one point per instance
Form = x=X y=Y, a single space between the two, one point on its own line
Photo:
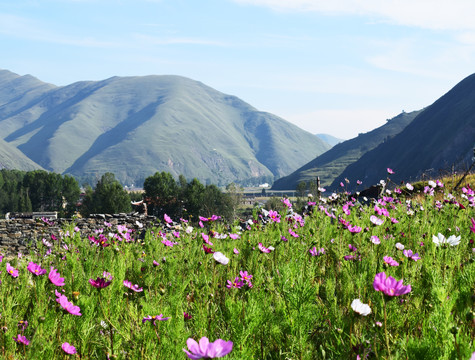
x=19 y=235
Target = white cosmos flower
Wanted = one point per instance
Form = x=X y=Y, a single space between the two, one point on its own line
x=409 y=187
x=221 y=258
x=441 y=240
x=360 y=308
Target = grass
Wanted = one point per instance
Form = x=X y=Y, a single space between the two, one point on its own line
x=298 y=306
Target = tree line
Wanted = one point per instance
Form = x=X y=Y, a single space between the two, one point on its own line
x=40 y=190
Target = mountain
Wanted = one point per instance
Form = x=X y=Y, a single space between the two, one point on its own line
x=437 y=141
x=332 y=163
x=135 y=126
x=329 y=139
x=12 y=158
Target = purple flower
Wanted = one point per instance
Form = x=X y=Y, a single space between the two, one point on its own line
x=154 y=319
x=315 y=252
x=35 y=269
x=389 y=285
x=411 y=255
x=205 y=349
x=135 y=287
x=472 y=228
x=68 y=348
x=237 y=283
x=390 y=261
x=55 y=277
x=99 y=283
x=12 y=271
x=21 y=339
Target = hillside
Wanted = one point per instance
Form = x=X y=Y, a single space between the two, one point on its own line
x=333 y=162
x=437 y=141
x=135 y=126
x=331 y=140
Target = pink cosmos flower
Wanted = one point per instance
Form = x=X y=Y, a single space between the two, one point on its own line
x=354 y=229
x=234 y=236
x=375 y=220
x=287 y=202
x=154 y=319
x=206 y=239
x=167 y=219
x=207 y=350
x=68 y=348
x=35 y=269
x=66 y=305
x=236 y=251
x=263 y=248
x=390 y=171
x=293 y=233
x=275 y=216
x=472 y=228
x=135 y=287
x=55 y=277
x=375 y=240
x=12 y=271
x=22 y=340
x=390 y=261
x=237 y=283
x=245 y=276
x=390 y=286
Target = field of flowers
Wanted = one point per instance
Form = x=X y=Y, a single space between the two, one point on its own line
x=347 y=279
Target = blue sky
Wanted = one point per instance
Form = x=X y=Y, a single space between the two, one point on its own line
x=339 y=67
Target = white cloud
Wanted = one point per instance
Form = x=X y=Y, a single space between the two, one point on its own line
x=429 y=14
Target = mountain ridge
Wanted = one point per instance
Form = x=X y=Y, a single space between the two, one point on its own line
x=135 y=126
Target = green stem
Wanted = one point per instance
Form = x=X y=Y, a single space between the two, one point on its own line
x=386 y=327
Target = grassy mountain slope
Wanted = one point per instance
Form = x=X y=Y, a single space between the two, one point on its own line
x=12 y=158
x=439 y=139
x=332 y=163
x=135 y=126
x=329 y=139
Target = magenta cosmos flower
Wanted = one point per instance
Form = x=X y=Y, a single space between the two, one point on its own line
x=68 y=348
x=207 y=350
x=35 y=269
x=263 y=248
x=55 y=277
x=99 y=283
x=275 y=216
x=67 y=305
x=390 y=286
x=135 y=287
x=21 y=339
x=12 y=271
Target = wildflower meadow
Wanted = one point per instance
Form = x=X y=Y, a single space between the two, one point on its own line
x=348 y=278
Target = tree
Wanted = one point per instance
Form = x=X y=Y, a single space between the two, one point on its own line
x=162 y=195
x=109 y=197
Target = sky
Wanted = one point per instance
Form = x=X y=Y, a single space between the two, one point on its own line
x=339 y=67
